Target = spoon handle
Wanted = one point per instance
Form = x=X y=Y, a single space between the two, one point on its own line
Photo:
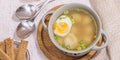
x=41 y=4
x=40 y=7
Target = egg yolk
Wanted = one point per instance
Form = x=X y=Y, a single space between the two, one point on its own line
x=61 y=27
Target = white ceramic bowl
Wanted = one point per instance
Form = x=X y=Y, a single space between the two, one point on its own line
x=58 y=12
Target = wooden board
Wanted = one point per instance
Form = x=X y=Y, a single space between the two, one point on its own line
x=51 y=51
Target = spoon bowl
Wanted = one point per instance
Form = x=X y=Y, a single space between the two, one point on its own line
x=25 y=28
x=26 y=11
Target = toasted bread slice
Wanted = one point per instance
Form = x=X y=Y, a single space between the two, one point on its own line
x=2 y=46
x=3 y=55
x=9 y=44
x=22 y=50
x=15 y=52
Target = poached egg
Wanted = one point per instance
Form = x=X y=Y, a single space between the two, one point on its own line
x=62 y=25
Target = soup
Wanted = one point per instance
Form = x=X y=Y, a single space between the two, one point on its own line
x=75 y=29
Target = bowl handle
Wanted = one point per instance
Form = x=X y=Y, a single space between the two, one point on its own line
x=105 y=40
x=43 y=20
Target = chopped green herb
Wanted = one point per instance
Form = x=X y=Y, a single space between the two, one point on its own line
x=68 y=47
x=66 y=12
x=77 y=9
x=55 y=23
x=81 y=45
x=81 y=42
x=94 y=36
x=62 y=17
x=55 y=37
x=71 y=18
x=73 y=21
x=63 y=45
x=79 y=48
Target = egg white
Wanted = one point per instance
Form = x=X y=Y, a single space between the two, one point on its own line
x=66 y=20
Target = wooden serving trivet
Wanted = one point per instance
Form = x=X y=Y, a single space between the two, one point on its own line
x=51 y=51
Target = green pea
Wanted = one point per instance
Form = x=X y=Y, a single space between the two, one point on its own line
x=79 y=48
x=55 y=37
x=62 y=18
x=66 y=12
x=55 y=23
x=68 y=47
x=71 y=18
x=77 y=9
x=95 y=36
x=63 y=45
x=82 y=45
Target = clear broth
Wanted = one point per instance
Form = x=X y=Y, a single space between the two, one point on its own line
x=83 y=31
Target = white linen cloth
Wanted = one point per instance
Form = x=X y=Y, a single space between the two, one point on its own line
x=107 y=9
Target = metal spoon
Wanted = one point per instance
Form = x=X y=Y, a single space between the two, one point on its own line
x=26 y=27
x=25 y=11
x=28 y=11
